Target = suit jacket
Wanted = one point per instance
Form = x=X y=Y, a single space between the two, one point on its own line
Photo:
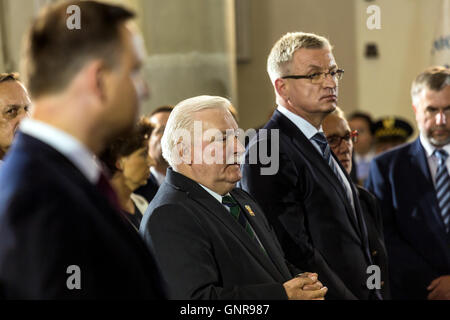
x=309 y=210
x=204 y=252
x=418 y=247
x=149 y=190
x=52 y=217
x=371 y=210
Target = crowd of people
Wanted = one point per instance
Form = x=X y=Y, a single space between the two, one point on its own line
x=180 y=204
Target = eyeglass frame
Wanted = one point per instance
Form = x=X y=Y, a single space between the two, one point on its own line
x=352 y=135
x=339 y=73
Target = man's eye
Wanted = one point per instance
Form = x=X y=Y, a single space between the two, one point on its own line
x=316 y=75
x=12 y=112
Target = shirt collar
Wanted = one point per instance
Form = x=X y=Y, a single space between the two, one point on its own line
x=305 y=127
x=217 y=196
x=429 y=148
x=158 y=175
x=66 y=144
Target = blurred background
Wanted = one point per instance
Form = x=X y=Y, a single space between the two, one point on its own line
x=220 y=47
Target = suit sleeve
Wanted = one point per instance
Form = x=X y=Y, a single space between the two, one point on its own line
x=53 y=239
x=187 y=260
x=280 y=195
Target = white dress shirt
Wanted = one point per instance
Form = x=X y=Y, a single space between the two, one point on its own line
x=66 y=144
x=309 y=131
x=433 y=161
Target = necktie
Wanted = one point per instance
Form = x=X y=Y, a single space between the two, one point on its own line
x=235 y=210
x=443 y=187
x=105 y=188
x=319 y=137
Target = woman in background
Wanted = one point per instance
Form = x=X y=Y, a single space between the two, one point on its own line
x=129 y=166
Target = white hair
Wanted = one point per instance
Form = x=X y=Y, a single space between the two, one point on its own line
x=282 y=52
x=182 y=119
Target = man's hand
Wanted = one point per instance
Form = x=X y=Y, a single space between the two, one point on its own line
x=440 y=288
x=305 y=287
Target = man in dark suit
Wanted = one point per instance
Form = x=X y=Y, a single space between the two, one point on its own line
x=158 y=119
x=413 y=186
x=61 y=233
x=211 y=239
x=341 y=139
x=307 y=195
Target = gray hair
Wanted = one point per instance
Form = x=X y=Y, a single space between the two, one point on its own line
x=282 y=52
x=182 y=119
x=434 y=78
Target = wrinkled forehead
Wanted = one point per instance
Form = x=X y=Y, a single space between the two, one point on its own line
x=335 y=125
x=13 y=92
x=216 y=118
x=313 y=60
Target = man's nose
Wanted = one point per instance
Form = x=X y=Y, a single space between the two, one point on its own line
x=441 y=119
x=329 y=81
x=239 y=146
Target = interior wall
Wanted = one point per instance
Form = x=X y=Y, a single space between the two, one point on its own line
x=404 y=42
x=270 y=19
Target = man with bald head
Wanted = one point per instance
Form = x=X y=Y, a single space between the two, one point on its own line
x=14 y=106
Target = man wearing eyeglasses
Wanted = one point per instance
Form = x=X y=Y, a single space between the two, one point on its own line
x=341 y=140
x=413 y=185
x=310 y=201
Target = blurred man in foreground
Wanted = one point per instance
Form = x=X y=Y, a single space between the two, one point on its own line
x=61 y=233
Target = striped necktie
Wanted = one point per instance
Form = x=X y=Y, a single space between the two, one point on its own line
x=443 y=186
x=319 y=137
x=235 y=210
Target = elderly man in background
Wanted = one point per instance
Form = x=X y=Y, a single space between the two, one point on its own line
x=211 y=239
x=413 y=185
x=341 y=139
x=14 y=106
x=62 y=235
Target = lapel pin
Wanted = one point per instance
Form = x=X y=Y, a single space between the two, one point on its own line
x=249 y=210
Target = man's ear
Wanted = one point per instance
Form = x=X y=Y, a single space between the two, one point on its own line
x=414 y=108
x=281 y=88
x=119 y=164
x=95 y=78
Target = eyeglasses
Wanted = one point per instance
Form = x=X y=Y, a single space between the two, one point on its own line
x=335 y=140
x=318 y=77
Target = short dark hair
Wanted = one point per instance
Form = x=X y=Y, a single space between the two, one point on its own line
x=54 y=54
x=166 y=108
x=434 y=78
x=13 y=76
x=364 y=116
x=126 y=145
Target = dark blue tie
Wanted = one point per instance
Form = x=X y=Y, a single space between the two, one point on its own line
x=443 y=187
x=319 y=137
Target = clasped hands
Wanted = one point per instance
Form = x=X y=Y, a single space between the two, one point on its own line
x=305 y=286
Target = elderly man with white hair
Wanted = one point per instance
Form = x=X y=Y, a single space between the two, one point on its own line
x=212 y=239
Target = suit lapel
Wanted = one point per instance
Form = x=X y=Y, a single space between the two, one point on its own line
x=196 y=193
x=306 y=148
x=255 y=218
